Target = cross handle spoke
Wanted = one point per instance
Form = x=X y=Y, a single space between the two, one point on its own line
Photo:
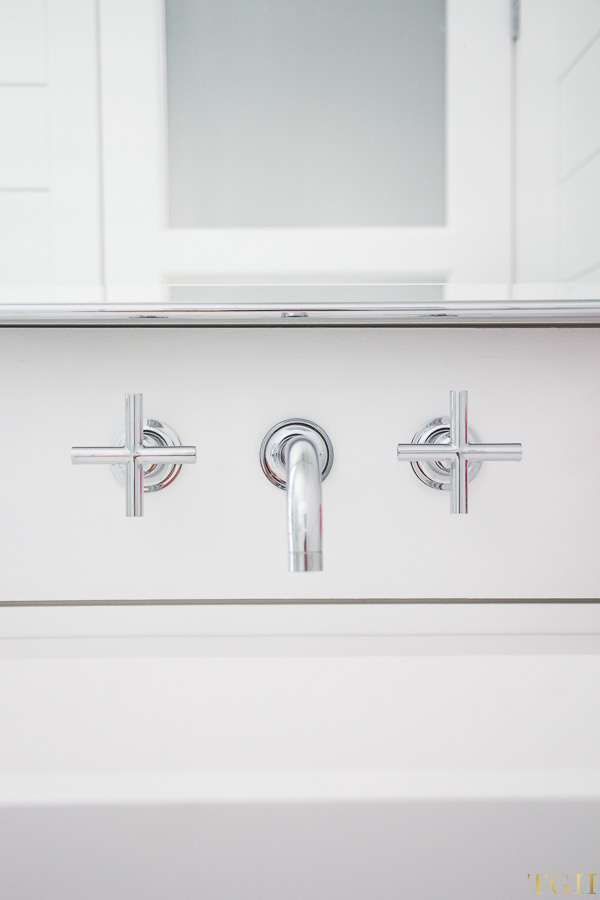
x=134 y=455
x=454 y=452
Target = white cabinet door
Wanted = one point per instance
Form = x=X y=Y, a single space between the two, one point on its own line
x=377 y=135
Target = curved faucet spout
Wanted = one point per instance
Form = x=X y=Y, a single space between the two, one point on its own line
x=296 y=456
x=304 y=518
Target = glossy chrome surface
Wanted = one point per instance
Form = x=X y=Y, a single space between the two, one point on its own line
x=437 y=473
x=434 y=313
x=155 y=455
x=272 y=451
x=156 y=475
x=304 y=507
x=453 y=444
x=297 y=455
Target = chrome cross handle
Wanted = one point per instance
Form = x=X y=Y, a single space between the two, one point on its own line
x=149 y=459
x=446 y=454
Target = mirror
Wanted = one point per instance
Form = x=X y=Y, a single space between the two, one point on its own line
x=238 y=150
x=306 y=114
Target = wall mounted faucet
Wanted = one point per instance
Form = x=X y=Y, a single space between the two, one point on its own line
x=446 y=454
x=146 y=455
x=296 y=456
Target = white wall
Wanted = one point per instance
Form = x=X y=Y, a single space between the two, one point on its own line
x=579 y=141
x=557 y=176
x=219 y=531
x=50 y=222
x=25 y=140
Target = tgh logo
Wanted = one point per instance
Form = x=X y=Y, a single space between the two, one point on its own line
x=561 y=884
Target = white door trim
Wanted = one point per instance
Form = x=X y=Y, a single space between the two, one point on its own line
x=142 y=250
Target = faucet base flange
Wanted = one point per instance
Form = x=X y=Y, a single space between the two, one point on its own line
x=273 y=448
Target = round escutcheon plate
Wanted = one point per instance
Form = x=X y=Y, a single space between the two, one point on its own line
x=273 y=448
x=436 y=474
x=156 y=476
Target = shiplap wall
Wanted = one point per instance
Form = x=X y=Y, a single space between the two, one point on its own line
x=50 y=222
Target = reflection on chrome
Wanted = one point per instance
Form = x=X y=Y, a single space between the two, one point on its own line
x=304 y=518
x=437 y=313
x=446 y=454
x=296 y=456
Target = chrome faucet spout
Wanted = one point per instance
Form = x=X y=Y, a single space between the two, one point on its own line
x=296 y=456
x=304 y=515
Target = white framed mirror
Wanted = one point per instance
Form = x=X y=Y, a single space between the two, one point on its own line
x=449 y=147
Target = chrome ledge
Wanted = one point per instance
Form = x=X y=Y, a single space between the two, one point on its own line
x=441 y=314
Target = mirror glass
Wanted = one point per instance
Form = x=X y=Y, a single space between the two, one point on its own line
x=310 y=114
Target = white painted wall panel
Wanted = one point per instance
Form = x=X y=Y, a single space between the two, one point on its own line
x=578 y=24
x=24 y=137
x=557 y=120
x=536 y=145
x=479 y=141
x=132 y=106
x=580 y=221
x=75 y=146
x=579 y=121
x=23 y=42
x=219 y=531
x=586 y=287
x=50 y=139
x=267 y=714
x=25 y=255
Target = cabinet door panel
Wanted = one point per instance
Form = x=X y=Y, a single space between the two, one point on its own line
x=242 y=140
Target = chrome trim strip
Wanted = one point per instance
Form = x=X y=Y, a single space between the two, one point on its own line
x=438 y=313
x=318 y=601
